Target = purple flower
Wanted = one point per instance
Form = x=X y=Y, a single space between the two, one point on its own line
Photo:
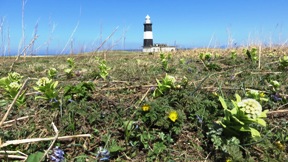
x=200 y=120
x=104 y=154
x=58 y=155
x=152 y=88
x=276 y=97
x=190 y=70
x=70 y=100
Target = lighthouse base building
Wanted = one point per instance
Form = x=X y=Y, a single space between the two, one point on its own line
x=159 y=48
x=148 y=45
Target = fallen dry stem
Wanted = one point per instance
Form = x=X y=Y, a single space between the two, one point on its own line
x=13 y=157
x=7 y=154
x=16 y=142
x=18 y=119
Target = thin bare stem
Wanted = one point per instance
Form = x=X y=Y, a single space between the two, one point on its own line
x=105 y=41
x=70 y=38
x=55 y=138
x=16 y=142
x=24 y=50
x=18 y=119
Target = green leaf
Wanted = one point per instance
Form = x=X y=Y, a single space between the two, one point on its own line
x=128 y=125
x=255 y=133
x=115 y=148
x=238 y=98
x=223 y=103
x=263 y=114
x=261 y=122
x=35 y=157
x=237 y=120
x=55 y=84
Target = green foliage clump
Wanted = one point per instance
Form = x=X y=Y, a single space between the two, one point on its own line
x=283 y=62
x=164 y=86
x=252 y=54
x=241 y=117
x=103 y=68
x=78 y=92
x=11 y=85
x=48 y=90
x=206 y=58
x=164 y=61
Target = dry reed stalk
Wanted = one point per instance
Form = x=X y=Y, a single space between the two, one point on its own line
x=31 y=140
x=51 y=145
x=268 y=72
x=24 y=50
x=15 y=99
x=104 y=56
x=7 y=154
x=13 y=157
x=259 y=57
x=70 y=38
x=18 y=119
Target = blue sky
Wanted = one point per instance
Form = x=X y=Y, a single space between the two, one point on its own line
x=186 y=23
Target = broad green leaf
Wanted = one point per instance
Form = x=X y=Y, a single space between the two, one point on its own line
x=35 y=157
x=234 y=111
x=128 y=125
x=55 y=84
x=238 y=98
x=237 y=120
x=261 y=122
x=223 y=103
x=263 y=114
x=255 y=133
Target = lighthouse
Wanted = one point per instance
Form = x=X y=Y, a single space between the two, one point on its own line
x=148 y=35
x=148 y=45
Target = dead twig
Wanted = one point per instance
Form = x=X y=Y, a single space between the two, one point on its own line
x=31 y=140
x=7 y=154
x=15 y=120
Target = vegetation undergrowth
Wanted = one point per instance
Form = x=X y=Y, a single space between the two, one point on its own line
x=196 y=105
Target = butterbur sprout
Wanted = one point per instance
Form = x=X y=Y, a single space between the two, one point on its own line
x=14 y=76
x=14 y=85
x=43 y=81
x=250 y=107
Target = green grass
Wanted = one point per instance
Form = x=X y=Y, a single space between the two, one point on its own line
x=112 y=114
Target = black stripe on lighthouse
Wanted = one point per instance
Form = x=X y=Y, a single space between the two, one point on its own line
x=148 y=35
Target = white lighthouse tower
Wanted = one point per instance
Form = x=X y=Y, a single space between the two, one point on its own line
x=148 y=40
x=148 y=35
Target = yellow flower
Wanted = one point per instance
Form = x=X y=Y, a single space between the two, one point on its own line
x=279 y=145
x=173 y=116
x=229 y=159
x=262 y=94
x=145 y=107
